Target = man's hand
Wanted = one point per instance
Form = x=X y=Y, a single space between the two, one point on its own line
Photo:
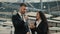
x=26 y=17
x=31 y=26
x=28 y=32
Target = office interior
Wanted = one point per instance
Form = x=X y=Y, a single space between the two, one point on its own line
x=51 y=9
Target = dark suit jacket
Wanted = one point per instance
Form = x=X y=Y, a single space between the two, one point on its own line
x=41 y=29
x=19 y=25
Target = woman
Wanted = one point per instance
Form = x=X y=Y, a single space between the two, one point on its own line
x=41 y=25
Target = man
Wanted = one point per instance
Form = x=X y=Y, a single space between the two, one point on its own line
x=19 y=21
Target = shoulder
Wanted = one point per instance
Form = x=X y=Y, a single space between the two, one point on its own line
x=44 y=22
x=14 y=16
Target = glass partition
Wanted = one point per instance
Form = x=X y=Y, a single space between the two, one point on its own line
x=49 y=7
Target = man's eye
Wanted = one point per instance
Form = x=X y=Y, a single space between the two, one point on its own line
x=24 y=9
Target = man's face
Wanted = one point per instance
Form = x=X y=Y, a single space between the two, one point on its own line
x=23 y=9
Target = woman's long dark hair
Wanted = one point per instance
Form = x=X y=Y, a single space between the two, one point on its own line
x=42 y=16
x=44 y=19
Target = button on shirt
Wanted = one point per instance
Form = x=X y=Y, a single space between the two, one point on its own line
x=38 y=22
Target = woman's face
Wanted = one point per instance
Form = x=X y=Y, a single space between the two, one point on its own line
x=38 y=16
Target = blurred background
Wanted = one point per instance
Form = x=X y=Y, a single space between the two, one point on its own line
x=51 y=9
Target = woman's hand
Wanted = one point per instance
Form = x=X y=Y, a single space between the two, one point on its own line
x=28 y=33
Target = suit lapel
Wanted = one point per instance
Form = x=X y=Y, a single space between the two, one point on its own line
x=40 y=24
x=19 y=16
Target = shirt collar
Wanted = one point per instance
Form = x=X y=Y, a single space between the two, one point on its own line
x=19 y=13
x=39 y=21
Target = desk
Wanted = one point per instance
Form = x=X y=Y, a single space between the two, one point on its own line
x=56 y=33
x=5 y=19
x=56 y=18
x=53 y=21
x=54 y=28
x=2 y=28
x=34 y=14
x=9 y=24
x=32 y=18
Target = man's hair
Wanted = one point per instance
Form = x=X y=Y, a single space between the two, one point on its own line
x=22 y=4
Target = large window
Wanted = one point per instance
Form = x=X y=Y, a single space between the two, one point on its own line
x=9 y=8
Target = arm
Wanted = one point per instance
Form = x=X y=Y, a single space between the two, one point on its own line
x=32 y=27
x=45 y=28
x=17 y=22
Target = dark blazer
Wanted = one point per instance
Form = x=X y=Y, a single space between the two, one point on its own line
x=19 y=25
x=41 y=29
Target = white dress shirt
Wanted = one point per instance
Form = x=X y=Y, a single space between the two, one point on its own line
x=38 y=22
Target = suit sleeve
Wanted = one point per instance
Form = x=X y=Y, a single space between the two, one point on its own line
x=45 y=28
x=17 y=22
